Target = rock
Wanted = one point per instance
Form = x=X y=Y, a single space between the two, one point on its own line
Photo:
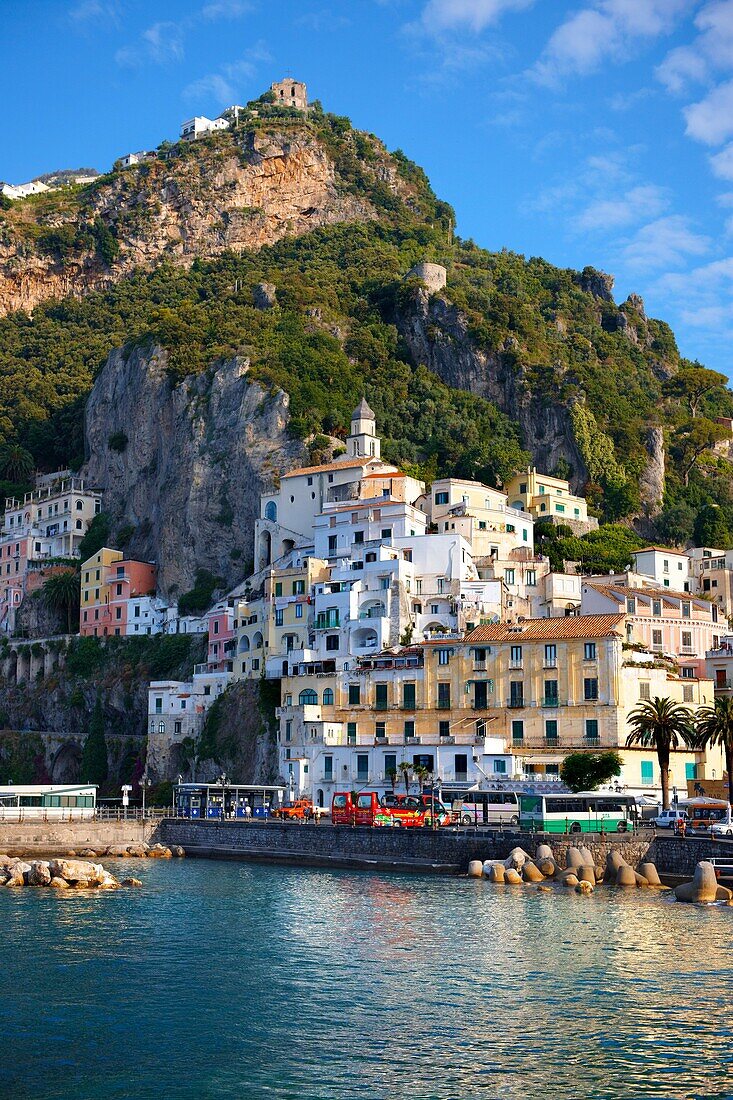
x=475 y=869
x=131 y=882
x=625 y=875
x=15 y=879
x=178 y=851
x=704 y=885
x=584 y=887
x=516 y=859
x=573 y=858
x=597 y=283
x=88 y=853
x=640 y=880
x=651 y=874
x=497 y=873
x=545 y=889
x=138 y=851
x=71 y=853
x=512 y=877
x=117 y=850
x=588 y=874
x=39 y=874
x=75 y=870
x=570 y=879
x=264 y=295
x=158 y=851
x=58 y=884
x=531 y=873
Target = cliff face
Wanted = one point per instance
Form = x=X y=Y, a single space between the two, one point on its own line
x=213 y=196
x=437 y=335
x=197 y=456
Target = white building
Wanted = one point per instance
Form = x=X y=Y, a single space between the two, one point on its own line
x=480 y=514
x=23 y=190
x=667 y=568
x=176 y=710
x=200 y=126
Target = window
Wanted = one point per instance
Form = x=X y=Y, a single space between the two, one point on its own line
x=278 y=588
x=443 y=696
x=332 y=642
x=327 y=768
x=354 y=695
x=656 y=607
x=591 y=729
x=690 y=771
x=516 y=696
x=444 y=656
x=380 y=730
x=332 y=544
x=645 y=690
x=409 y=728
x=351 y=733
x=177 y=727
x=328 y=697
x=434 y=609
x=647 y=773
x=631 y=605
x=551 y=729
x=689 y=674
x=441 y=498
x=657 y=638
x=685 y=609
x=271 y=511
x=517 y=732
x=299 y=611
x=515 y=655
x=362 y=767
x=408 y=696
x=590 y=688
x=500 y=767
x=551 y=693
x=118 y=589
x=589 y=651
x=278 y=617
x=380 y=697
x=559 y=507
x=550 y=655
x=509 y=576
x=686 y=639
x=308 y=697
x=386 y=532
x=687 y=693
x=161 y=727
x=460 y=764
x=159 y=705
x=444 y=728
x=358 y=538
x=531 y=577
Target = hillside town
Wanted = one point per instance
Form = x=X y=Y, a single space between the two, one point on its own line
x=409 y=624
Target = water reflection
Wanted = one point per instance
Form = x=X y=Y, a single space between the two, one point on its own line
x=221 y=980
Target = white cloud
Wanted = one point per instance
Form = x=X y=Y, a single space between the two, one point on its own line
x=87 y=11
x=442 y=15
x=605 y=29
x=681 y=66
x=722 y=163
x=664 y=243
x=639 y=202
x=703 y=296
x=223 y=87
x=711 y=120
x=160 y=44
x=226 y=9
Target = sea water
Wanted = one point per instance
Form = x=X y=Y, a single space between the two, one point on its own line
x=237 y=980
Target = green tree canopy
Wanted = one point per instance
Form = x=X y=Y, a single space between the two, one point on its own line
x=585 y=771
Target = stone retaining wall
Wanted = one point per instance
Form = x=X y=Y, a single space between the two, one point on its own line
x=419 y=849
x=675 y=856
x=52 y=838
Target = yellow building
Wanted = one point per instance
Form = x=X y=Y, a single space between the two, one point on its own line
x=546 y=497
x=95 y=591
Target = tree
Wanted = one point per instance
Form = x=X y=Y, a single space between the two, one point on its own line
x=16 y=463
x=392 y=776
x=711 y=527
x=714 y=726
x=663 y=725
x=585 y=771
x=94 y=752
x=421 y=775
x=405 y=769
x=95 y=537
x=692 y=382
x=692 y=440
x=62 y=593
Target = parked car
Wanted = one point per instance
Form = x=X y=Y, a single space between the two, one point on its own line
x=667 y=819
x=721 y=828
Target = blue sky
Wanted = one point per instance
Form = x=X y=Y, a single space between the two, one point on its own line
x=588 y=132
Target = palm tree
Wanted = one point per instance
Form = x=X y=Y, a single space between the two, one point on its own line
x=16 y=463
x=61 y=592
x=663 y=725
x=714 y=726
x=406 y=769
x=421 y=775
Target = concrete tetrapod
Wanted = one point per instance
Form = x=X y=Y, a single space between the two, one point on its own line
x=475 y=869
x=614 y=860
x=704 y=886
x=497 y=873
x=531 y=872
x=512 y=877
x=569 y=879
x=584 y=887
x=587 y=855
x=651 y=874
x=625 y=875
x=573 y=858
x=516 y=859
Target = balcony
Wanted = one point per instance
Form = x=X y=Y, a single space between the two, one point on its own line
x=479 y=666
x=516 y=702
x=550 y=662
x=381 y=740
x=516 y=664
x=443 y=704
x=447 y=740
x=413 y=740
x=593 y=742
x=327 y=622
x=481 y=705
x=381 y=704
x=550 y=701
x=551 y=742
x=517 y=742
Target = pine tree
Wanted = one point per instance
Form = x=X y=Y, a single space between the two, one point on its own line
x=94 y=753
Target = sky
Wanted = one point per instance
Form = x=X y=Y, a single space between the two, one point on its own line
x=585 y=131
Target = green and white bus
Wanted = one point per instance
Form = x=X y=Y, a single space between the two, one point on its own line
x=585 y=812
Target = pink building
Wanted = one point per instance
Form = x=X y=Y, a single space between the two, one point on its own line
x=221 y=638
x=120 y=600
x=675 y=624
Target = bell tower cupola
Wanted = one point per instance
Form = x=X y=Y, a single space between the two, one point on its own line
x=362 y=441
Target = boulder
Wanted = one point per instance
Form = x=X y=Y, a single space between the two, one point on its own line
x=625 y=875
x=545 y=889
x=531 y=872
x=650 y=873
x=704 y=885
x=89 y=853
x=16 y=879
x=74 y=870
x=584 y=887
x=131 y=882
x=178 y=851
x=39 y=874
x=475 y=869
x=117 y=850
x=264 y=295
x=497 y=873
x=159 y=851
x=516 y=859
x=58 y=884
x=570 y=879
x=71 y=853
x=588 y=874
x=138 y=851
x=512 y=877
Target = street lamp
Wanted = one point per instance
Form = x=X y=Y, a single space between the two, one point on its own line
x=145 y=783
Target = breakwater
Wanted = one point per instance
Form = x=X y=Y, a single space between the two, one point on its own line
x=57 y=837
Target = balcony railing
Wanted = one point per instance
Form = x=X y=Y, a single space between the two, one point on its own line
x=516 y=702
x=479 y=666
x=443 y=704
x=550 y=701
x=516 y=664
x=327 y=622
x=413 y=740
x=550 y=662
x=446 y=740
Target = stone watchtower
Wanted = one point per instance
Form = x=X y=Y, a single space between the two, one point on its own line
x=363 y=441
x=290 y=93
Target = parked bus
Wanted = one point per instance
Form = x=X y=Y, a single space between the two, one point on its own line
x=586 y=812
x=411 y=810
x=391 y=811
x=483 y=807
x=47 y=802
x=708 y=816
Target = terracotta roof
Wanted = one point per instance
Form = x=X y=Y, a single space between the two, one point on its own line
x=388 y=473
x=647 y=593
x=339 y=464
x=659 y=550
x=537 y=630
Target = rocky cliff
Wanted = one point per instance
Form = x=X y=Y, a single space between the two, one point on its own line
x=227 y=192
x=190 y=463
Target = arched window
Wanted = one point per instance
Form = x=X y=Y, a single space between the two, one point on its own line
x=328 y=697
x=308 y=698
x=271 y=511
x=79 y=506
x=161 y=727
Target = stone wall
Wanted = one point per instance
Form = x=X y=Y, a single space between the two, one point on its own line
x=441 y=850
x=51 y=838
x=675 y=856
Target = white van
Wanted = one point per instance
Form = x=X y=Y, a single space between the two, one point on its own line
x=667 y=819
